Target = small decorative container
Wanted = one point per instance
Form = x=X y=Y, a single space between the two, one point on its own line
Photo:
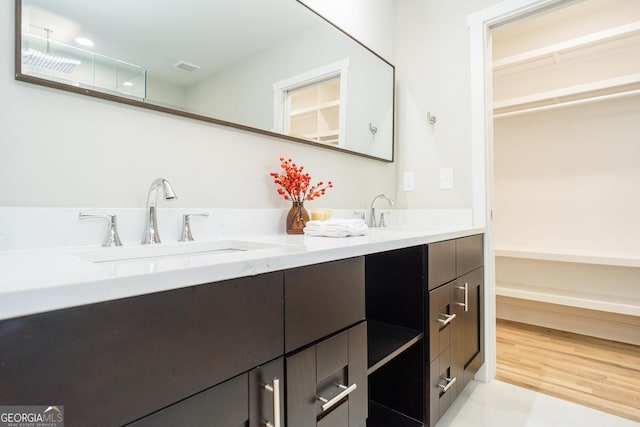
x=297 y=218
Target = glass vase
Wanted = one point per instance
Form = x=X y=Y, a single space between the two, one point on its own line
x=297 y=218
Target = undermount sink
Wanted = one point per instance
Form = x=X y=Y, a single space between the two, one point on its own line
x=141 y=252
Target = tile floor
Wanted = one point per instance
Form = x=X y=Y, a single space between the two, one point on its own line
x=498 y=404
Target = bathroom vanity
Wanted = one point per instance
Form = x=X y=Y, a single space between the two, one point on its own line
x=379 y=330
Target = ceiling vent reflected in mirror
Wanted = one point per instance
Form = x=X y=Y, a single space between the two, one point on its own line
x=186 y=66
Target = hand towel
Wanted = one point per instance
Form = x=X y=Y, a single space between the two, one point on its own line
x=336 y=227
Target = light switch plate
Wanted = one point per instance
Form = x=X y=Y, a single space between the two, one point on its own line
x=446 y=178
x=409 y=181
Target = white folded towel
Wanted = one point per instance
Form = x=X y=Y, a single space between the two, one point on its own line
x=336 y=227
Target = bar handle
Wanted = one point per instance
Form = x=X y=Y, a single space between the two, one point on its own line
x=448 y=319
x=464 y=304
x=275 y=389
x=328 y=404
x=448 y=383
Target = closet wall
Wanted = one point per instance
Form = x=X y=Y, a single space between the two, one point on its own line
x=567 y=169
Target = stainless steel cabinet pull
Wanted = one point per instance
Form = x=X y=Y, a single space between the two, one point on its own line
x=275 y=389
x=464 y=304
x=327 y=404
x=449 y=318
x=449 y=382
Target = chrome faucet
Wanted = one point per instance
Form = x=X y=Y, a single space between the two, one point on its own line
x=151 y=223
x=372 y=212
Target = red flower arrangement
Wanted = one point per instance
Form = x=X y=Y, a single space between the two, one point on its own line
x=295 y=185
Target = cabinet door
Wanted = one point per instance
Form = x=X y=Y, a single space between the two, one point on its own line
x=225 y=405
x=266 y=394
x=322 y=299
x=333 y=374
x=469 y=308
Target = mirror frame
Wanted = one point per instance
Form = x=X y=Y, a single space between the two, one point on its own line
x=123 y=100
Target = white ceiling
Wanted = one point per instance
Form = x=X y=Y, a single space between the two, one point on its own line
x=156 y=34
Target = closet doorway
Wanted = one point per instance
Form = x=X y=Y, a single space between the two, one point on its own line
x=566 y=175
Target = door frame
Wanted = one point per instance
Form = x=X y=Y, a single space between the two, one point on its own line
x=480 y=25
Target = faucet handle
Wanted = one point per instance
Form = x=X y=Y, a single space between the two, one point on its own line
x=111 y=238
x=382 y=223
x=185 y=235
x=358 y=214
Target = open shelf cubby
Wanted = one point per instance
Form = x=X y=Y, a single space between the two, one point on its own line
x=386 y=341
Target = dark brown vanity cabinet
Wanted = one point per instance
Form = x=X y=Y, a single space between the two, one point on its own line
x=424 y=311
x=115 y=362
x=383 y=340
x=455 y=323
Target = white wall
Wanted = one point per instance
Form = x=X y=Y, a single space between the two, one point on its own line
x=569 y=178
x=63 y=149
x=370 y=21
x=432 y=61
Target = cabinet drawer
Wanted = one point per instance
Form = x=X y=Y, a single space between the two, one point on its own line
x=322 y=299
x=225 y=405
x=443 y=383
x=317 y=370
x=441 y=264
x=469 y=254
x=442 y=319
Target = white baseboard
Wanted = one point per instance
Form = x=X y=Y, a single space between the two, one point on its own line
x=601 y=324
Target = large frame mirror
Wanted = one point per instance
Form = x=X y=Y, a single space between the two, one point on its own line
x=269 y=66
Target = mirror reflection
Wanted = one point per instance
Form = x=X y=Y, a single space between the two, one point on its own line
x=271 y=66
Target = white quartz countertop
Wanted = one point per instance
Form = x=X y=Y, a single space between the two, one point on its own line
x=35 y=281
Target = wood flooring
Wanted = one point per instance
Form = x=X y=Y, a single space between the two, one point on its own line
x=593 y=372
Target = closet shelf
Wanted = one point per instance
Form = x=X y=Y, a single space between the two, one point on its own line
x=314 y=108
x=587 y=300
x=562 y=255
x=616 y=85
x=589 y=40
x=619 y=86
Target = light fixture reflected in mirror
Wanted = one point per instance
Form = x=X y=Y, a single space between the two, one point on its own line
x=84 y=42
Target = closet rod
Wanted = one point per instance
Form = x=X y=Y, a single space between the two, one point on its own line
x=569 y=103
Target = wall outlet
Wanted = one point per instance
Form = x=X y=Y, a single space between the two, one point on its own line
x=446 y=178
x=409 y=181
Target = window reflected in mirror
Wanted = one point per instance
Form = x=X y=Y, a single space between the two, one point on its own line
x=314 y=111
